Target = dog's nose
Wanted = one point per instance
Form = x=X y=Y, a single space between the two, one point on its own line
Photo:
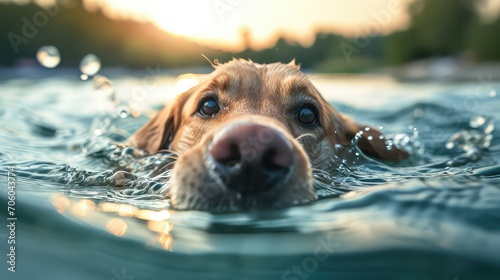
x=252 y=157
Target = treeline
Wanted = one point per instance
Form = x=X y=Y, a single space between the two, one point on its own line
x=443 y=28
x=77 y=32
x=438 y=28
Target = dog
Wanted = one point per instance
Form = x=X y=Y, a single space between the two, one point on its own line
x=249 y=135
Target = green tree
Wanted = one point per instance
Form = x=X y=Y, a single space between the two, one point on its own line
x=437 y=28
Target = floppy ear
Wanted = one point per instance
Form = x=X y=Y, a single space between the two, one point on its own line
x=372 y=142
x=159 y=131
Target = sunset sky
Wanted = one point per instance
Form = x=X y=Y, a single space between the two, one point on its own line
x=219 y=22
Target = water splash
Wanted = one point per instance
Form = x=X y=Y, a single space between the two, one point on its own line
x=48 y=56
x=90 y=65
x=465 y=140
x=475 y=139
x=484 y=124
x=409 y=142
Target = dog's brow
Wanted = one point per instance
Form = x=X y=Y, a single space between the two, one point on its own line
x=221 y=81
x=296 y=84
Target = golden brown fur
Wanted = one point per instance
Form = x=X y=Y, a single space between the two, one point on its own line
x=266 y=94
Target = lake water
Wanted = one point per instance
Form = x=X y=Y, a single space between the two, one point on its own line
x=434 y=216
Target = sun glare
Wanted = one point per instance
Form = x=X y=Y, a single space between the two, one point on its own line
x=219 y=23
x=187 y=18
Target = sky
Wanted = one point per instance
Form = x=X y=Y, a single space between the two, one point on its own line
x=219 y=23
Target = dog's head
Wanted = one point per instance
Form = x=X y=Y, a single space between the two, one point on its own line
x=248 y=136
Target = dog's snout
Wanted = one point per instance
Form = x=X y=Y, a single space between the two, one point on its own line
x=253 y=157
x=252 y=143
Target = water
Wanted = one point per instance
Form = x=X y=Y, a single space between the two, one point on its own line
x=90 y=65
x=80 y=216
x=48 y=56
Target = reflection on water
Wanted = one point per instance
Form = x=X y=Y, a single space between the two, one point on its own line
x=88 y=211
x=434 y=216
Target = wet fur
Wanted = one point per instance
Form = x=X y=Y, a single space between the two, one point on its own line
x=270 y=94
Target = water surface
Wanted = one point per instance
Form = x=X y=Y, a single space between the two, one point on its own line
x=434 y=216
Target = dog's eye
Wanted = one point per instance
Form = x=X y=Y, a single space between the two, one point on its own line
x=307 y=115
x=208 y=107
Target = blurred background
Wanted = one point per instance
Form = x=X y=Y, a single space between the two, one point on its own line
x=407 y=38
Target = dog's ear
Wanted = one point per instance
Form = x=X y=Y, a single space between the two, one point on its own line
x=371 y=141
x=159 y=131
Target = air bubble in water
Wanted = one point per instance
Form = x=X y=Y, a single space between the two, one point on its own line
x=90 y=65
x=48 y=56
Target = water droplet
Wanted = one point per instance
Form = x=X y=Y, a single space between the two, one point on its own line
x=381 y=127
x=477 y=121
x=487 y=141
x=84 y=77
x=90 y=65
x=450 y=145
x=367 y=128
x=123 y=112
x=369 y=138
x=418 y=113
x=493 y=93
x=103 y=86
x=389 y=144
x=48 y=56
x=401 y=140
x=381 y=137
x=97 y=132
x=489 y=128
